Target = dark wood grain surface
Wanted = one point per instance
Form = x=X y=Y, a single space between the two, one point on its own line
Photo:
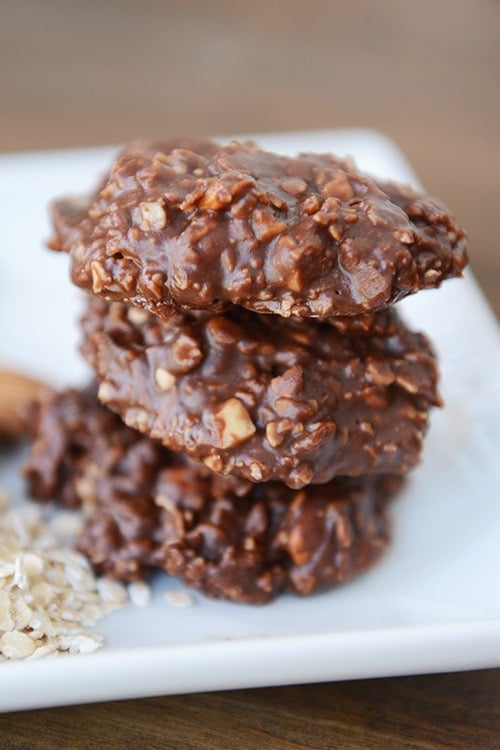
x=427 y=74
x=453 y=711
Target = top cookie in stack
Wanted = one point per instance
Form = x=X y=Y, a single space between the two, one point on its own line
x=188 y=225
x=241 y=307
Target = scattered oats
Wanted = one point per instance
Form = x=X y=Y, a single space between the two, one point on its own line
x=69 y=558
x=70 y=615
x=107 y=607
x=6 y=569
x=55 y=575
x=92 y=613
x=36 y=635
x=66 y=524
x=42 y=621
x=111 y=591
x=21 y=612
x=6 y=621
x=45 y=650
x=139 y=593
x=16 y=645
x=21 y=526
x=33 y=564
x=89 y=597
x=82 y=643
x=20 y=577
x=49 y=594
x=79 y=579
x=179 y=598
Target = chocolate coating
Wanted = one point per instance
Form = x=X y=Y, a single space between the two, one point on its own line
x=225 y=537
x=191 y=225
x=264 y=397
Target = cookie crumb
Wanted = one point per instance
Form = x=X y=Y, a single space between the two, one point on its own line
x=179 y=598
x=139 y=593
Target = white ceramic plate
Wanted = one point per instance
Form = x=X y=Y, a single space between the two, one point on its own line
x=433 y=604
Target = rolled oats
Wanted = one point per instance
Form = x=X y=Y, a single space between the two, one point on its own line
x=45 y=587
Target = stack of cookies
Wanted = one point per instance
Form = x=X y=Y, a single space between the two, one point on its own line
x=258 y=401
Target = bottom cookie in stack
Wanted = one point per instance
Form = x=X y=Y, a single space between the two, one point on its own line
x=148 y=508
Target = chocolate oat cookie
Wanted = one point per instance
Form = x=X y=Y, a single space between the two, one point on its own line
x=265 y=397
x=250 y=548
x=228 y=538
x=200 y=226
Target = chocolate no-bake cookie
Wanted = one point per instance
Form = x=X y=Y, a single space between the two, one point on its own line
x=228 y=538
x=250 y=548
x=240 y=323
x=265 y=397
x=196 y=226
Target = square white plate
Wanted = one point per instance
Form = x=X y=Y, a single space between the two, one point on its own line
x=433 y=604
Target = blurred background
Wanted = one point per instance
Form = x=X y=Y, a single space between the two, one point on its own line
x=426 y=74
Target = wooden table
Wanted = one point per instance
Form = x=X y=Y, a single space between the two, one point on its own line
x=452 y=712
x=75 y=73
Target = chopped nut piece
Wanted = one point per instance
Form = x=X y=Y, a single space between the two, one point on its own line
x=256 y=472
x=298 y=547
x=214 y=462
x=99 y=278
x=294 y=185
x=380 y=372
x=164 y=379
x=105 y=392
x=265 y=225
x=153 y=215
x=137 y=418
x=407 y=383
x=274 y=435
x=236 y=423
x=164 y=501
x=137 y=315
